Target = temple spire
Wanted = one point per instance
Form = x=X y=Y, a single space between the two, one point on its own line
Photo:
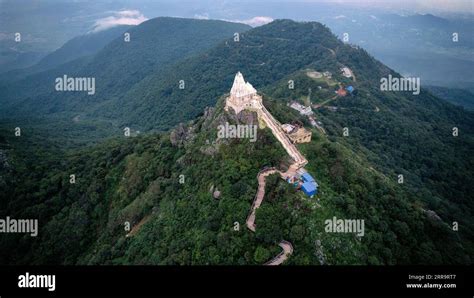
x=242 y=95
x=240 y=88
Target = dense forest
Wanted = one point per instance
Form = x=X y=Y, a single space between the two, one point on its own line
x=162 y=182
x=137 y=180
x=459 y=97
x=154 y=46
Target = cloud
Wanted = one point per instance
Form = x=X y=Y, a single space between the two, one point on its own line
x=203 y=16
x=256 y=21
x=123 y=17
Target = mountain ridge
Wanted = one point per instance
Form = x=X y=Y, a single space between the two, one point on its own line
x=390 y=133
x=119 y=65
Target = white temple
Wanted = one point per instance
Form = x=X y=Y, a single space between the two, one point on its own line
x=242 y=96
x=240 y=88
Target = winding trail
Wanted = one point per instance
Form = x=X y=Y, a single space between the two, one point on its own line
x=285 y=245
x=281 y=257
x=244 y=96
x=299 y=162
x=258 y=196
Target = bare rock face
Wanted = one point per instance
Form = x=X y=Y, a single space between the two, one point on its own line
x=207 y=119
x=432 y=215
x=208 y=115
x=248 y=117
x=244 y=117
x=216 y=194
x=210 y=149
x=4 y=160
x=319 y=252
x=4 y=168
x=181 y=135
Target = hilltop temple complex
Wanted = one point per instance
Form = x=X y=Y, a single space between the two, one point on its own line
x=243 y=96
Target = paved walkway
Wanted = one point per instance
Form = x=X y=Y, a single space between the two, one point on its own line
x=278 y=132
x=281 y=257
x=299 y=162
x=285 y=245
x=138 y=226
x=258 y=197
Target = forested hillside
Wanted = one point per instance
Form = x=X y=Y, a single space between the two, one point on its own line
x=153 y=45
x=459 y=97
x=402 y=134
x=80 y=46
x=265 y=54
x=138 y=179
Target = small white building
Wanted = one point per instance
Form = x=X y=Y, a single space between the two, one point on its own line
x=346 y=72
x=304 y=110
x=288 y=128
x=327 y=74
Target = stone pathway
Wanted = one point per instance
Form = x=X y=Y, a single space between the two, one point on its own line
x=299 y=162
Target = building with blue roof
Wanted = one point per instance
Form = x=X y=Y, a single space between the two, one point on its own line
x=307 y=177
x=307 y=184
x=350 y=89
x=310 y=188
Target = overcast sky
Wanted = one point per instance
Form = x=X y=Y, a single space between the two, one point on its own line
x=49 y=23
x=421 y=6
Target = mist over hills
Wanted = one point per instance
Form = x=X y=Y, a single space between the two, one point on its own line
x=80 y=46
x=416 y=44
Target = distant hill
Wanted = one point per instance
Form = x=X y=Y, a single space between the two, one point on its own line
x=154 y=44
x=418 y=45
x=77 y=47
x=10 y=59
x=265 y=53
x=418 y=20
x=460 y=97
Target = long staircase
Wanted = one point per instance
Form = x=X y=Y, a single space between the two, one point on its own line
x=244 y=96
x=299 y=162
x=278 y=132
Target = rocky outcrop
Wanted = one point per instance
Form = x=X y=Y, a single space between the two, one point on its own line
x=210 y=148
x=319 y=252
x=216 y=193
x=4 y=160
x=4 y=168
x=248 y=117
x=182 y=135
x=208 y=116
x=432 y=215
